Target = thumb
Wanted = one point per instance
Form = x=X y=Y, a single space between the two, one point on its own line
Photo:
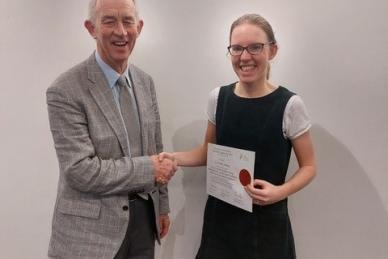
x=161 y=156
x=259 y=184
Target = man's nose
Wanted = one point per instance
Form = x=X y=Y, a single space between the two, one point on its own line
x=120 y=29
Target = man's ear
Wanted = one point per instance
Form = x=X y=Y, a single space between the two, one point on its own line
x=91 y=28
x=140 y=25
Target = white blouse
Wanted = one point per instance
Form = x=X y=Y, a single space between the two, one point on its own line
x=296 y=120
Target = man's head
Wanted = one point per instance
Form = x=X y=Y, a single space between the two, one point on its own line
x=115 y=25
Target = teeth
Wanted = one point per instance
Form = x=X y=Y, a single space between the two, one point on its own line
x=120 y=43
x=247 y=67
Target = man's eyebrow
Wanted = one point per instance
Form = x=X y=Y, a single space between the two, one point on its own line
x=107 y=16
x=113 y=17
x=129 y=16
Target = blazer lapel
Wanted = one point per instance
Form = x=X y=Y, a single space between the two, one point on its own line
x=103 y=96
x=141 y=100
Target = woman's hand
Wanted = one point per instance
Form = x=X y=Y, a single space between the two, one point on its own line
x=167 y=155
x=170 y=156
x=264 y=193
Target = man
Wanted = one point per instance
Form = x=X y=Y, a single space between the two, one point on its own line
x=112 y=199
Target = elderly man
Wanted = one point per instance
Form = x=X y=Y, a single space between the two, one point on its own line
x=112 y=197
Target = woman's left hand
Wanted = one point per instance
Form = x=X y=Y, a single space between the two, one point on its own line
x=264 y=193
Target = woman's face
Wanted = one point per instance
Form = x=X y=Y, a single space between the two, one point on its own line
x=251 y=69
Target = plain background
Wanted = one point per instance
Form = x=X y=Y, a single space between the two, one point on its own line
x=333 y=53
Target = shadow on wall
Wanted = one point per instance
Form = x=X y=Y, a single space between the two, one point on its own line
x=340 y=215
x=188 y=221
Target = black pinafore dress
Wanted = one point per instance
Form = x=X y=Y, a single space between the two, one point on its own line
x=232 y=233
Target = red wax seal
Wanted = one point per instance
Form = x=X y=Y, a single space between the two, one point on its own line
x=245 y=177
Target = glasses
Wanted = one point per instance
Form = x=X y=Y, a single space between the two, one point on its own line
x=253 y=49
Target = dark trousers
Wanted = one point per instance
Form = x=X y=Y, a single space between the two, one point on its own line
x=139 y=241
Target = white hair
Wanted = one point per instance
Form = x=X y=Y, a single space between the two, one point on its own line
x=92 y=10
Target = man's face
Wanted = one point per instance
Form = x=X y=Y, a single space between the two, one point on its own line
x=116 y=28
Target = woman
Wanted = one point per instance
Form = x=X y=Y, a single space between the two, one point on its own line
x=253 y=114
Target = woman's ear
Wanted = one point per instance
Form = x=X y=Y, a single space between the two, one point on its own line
x=273 y=50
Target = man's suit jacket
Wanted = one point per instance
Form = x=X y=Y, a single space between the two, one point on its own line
x=96 y=169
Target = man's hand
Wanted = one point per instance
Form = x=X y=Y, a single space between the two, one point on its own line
x=164 y=169
x=164 y=221
x=164 y=155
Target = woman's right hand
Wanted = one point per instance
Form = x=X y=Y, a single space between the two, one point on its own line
x=163 y=155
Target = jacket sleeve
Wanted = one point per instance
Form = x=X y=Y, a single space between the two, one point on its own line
x=163 y=190
x=78 y=162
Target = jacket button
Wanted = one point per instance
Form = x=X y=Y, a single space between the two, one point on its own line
x=125 y=208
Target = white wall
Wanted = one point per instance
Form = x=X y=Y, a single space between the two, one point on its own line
x=333 y=53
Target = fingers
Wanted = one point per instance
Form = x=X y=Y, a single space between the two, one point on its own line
x=260 y=202
x=161 y=180
x=165 y=167
x=164 y=225
x=164 y=155
x=254 y=193
x=260 y=192
x=258 y=187
x=260 y=184
x=163 y=231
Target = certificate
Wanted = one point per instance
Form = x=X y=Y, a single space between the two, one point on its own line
x=228 y=171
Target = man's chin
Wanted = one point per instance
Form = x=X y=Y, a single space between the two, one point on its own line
x=120 y=59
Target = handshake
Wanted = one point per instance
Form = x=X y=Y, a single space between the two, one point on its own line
x=165 y=166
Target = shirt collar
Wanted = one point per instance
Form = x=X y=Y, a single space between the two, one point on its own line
x=110 y=74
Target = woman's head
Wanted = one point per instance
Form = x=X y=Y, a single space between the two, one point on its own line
x=252 y=45
x=257 y=20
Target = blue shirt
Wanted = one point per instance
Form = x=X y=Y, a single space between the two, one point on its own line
x=111 y=76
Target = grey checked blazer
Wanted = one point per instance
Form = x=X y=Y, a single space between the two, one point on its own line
x=96 y=170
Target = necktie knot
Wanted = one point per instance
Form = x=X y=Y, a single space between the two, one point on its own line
x=122 y=81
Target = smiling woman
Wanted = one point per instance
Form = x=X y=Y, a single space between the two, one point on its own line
x=252 y=65
x=270 y=120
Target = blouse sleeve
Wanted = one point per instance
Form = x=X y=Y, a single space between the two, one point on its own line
x=296 y=120
x=212 y=105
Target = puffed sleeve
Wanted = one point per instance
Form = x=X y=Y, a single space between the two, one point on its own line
x=296 y=120
x=212 y=105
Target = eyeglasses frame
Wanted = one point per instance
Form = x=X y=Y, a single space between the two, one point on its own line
x=246 y=48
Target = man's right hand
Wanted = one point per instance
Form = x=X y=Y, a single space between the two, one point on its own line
x=164 y=169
